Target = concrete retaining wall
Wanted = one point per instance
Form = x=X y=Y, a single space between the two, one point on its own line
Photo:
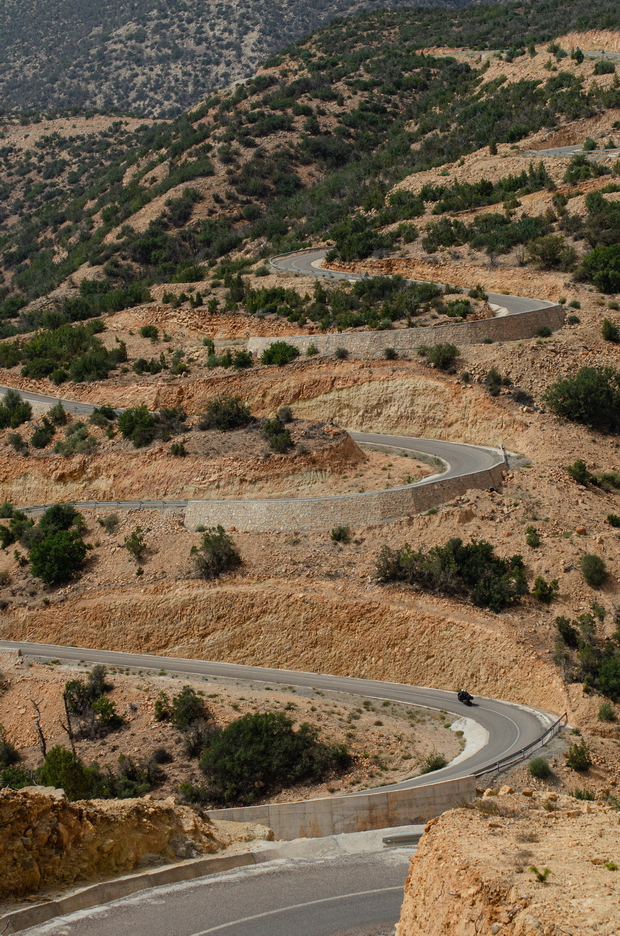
x=323 y=513
x=319 y=817
x=512 y=327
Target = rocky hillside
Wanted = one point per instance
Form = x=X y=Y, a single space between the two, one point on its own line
x=47 y=841
x=519 y=865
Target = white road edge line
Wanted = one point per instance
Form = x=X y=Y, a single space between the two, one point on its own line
x=309 y=903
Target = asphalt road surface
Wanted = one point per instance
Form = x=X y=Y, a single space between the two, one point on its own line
x=345 y=896
x=506 y=728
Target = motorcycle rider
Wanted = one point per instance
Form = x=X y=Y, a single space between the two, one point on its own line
x=464 y=696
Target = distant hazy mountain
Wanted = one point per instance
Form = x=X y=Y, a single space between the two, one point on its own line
x=148 y=56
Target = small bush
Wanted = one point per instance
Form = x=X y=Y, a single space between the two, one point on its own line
x=280 y=353
x=278 y=437
x=579 y=473
x=341 y=354
x=42 y=435
x=13 y=410
x=544 y=332
x=58 y=415
x=109 y=523
x=443 y=355
x=311 y=350
x=545 y=591
x=433 y=762
x=186 y=707
x=610 y=331
x=602 y=67
x=58 y=557
x=606 y=712
x=568 y=633
x=390 y=354
x=216 y=554
x=613 y=520
x=539 y=768
x=532 y=537
x=162 y=756
x=578 y=757
x=593 y=569
x=178 y=449
x=340 y=534
x=162 y=708
x=135 y=544
x=225 y=413
x=285 y=414
x=149 y=331
x=573 y=320
x=583 y=794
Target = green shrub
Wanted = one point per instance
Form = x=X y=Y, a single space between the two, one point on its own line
x=279 y=438
x=280 y=353
x=225 y=413
x=149 y=331
x=606 y=712
x=610 y=331
x=593 y=569
x=178 y=449
x=187 y=707
x=63 y=770
x=545 y=591
x=390 y=354
x=579 y=473
x=613 y=520
x=532 y=537
x=471 y=570
x=592 y=398
x=311 y=350
x=216 y=554
x=539 y=768
x=262 y=752
x=42 y=435
x=137 y=424
x=109 y=523
x=582 y=794
x=578 y=757
x=341 y=354
x=162 y=709
x=58 y=415
x=433 y=762
x=544 y=332
x=285 y=414
x=13 y=410
x=340 y=534
x=135 y=544
x=58 y=557
x=443 y=355
x=568 y=633
x=602 y=67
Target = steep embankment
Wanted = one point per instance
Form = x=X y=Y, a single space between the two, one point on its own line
x=473 y=870
x=47 y=841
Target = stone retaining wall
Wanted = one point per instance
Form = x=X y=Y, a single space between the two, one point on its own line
x=324 y=513
x=319 y=817
x=514 y=327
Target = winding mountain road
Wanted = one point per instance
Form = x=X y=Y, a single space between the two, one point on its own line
x=330 y=898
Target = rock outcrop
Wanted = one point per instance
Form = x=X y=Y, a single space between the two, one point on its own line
x=477 y=871
x=47 y=841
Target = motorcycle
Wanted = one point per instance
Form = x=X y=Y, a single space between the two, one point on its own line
x=465 y=697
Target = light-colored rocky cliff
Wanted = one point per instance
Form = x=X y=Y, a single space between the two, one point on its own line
x=46 y=841
x=472 y=873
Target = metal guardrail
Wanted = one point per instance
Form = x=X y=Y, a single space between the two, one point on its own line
x=520 y=755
